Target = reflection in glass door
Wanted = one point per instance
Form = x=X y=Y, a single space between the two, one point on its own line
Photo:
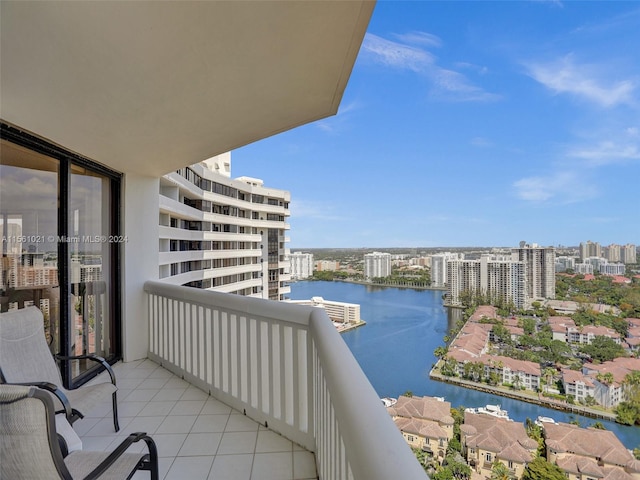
x=60 y=247
x=29 y=229
x=89 y=256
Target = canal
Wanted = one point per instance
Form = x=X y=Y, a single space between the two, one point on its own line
x=395 y=348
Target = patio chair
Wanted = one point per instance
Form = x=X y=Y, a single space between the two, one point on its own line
x=29 y=446
x=25 y=359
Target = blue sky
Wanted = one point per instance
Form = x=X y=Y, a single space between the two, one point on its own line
x=472 y=124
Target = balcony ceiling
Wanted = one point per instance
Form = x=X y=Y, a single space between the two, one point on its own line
x=149 y=87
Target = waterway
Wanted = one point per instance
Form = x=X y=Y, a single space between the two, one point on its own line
x=395 y=348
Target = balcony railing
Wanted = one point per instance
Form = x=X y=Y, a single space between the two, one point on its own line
x=286 y=367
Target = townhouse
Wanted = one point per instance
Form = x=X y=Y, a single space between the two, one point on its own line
x=425 y=422
x=487 y=439
x=588 y=453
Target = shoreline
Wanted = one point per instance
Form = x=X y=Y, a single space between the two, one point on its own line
x=351 y=326
x=360 y=282
x=522 y=396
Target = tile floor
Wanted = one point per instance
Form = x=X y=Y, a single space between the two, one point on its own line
x=197 y=436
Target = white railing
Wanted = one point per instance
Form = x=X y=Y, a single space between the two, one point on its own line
x=286 y=367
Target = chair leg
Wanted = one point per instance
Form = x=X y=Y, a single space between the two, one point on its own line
x=114 y=398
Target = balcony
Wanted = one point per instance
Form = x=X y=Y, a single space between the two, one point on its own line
x=238 y=387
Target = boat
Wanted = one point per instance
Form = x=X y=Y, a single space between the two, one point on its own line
x=493 y=410
x=389 y=402
x=540 y=420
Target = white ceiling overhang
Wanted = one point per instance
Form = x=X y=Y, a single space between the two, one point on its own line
x=148 y=87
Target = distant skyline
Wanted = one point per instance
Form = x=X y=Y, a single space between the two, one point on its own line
x=472 y=124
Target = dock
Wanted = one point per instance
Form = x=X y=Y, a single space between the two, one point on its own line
x=525 y=397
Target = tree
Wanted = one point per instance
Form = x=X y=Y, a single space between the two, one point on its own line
x=598 y=426
x=548 y=373
x=408 y=393
x=540 y=469
x=603 y=349
x=440 y=352
x=499 y=471
x=449 y=367
x=606 y=378
x=517 y=382
x=628 y=413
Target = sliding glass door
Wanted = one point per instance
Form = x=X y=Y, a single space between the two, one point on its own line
x=61 y=247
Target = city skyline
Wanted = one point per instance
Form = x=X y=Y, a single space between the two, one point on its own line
x=472 y=124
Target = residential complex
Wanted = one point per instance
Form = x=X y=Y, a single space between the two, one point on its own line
x=223 y=234
x=301 y=265
x=486 y=439
x=342 y=314
x=613 y=253
x=590 y=249
x=377 y=265
x=587 y=453
x=425 y=422
x=539 y=265
x=603 y=383
x=439 y=267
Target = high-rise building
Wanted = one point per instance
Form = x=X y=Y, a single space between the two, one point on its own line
x=564 y=263
x=223 y=234
x=540 y=269
x=327 y=265
x=463 y=277
x=613 y=252
x=301 y=265
x=439 y=267
x=497 y=280
x=528 y=276
x=377 y=265
x=506 y=282
x=590 y=249
x=628 y=253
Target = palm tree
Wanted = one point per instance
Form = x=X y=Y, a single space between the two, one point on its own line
x=517 y=382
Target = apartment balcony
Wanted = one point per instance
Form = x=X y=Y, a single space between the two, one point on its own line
x=243 y=388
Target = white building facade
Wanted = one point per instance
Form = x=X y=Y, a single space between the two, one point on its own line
x=301 y=265
x=377 y=265
x=223 y=234
x=439 y=267
x=540 y=269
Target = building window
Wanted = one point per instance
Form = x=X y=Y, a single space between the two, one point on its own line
x=488 y=457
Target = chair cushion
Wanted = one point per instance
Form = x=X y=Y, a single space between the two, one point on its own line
x=24 y=353
x=80 y=464
x=86 y=397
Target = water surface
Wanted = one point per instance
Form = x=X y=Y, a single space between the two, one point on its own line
x=395 y=348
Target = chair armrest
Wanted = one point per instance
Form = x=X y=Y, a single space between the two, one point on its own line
x=94 y=358
x=120 y=449
x=53 y=389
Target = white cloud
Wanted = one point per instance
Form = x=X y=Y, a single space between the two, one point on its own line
x=445 y=84
x=420 y=38
x=562 y=186
x=395 y=54
x=585 y=81
x=606 y=153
